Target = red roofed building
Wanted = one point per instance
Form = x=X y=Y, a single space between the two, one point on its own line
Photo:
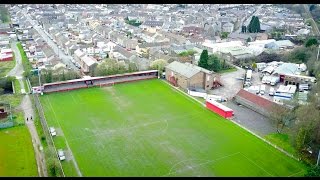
x=254 y=102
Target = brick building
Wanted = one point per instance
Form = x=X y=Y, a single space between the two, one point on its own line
x=186 y=75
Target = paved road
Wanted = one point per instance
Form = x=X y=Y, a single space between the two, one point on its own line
x=26 y=106
x=252 y=120
x=314 y=26
x=248 y=19
x=230 y=84
x=18 y=69
x=66 y=59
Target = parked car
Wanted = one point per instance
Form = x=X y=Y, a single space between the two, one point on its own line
x=262 y=89
x=52 y=131
x=271 y=92
x=61 y=155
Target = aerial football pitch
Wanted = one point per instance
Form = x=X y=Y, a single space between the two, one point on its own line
x=148 y=128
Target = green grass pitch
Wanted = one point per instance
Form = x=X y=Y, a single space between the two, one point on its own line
x=17 y=157
x=147 y=128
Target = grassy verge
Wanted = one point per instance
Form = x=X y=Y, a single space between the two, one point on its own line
x=283 y=141
x=6 y=66
x=26 y=87
x=228 y=70
x=17 y=156
x=50 y=156
x=14 y=100
x=17 y=87
x=200 y=99
x=25 y=61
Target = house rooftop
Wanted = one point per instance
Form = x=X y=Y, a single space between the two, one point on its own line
x=186 y=69
x=287 y=68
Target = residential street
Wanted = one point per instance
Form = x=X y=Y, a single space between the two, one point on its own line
x=26 y=106
x=247 y=21
x=66 y=59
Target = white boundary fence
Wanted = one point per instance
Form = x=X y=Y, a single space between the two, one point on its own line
x=45 y=127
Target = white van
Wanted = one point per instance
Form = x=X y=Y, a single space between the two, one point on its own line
x=271 y=92
x=52 y=131
x=61 y=156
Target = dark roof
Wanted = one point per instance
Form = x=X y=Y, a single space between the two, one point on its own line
x=123 y=51
x=192 y=29
x=155 y=44
x=257 y=100
x=153 y=23
x=239 y=36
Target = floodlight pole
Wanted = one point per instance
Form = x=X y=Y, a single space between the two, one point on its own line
x=39 y=77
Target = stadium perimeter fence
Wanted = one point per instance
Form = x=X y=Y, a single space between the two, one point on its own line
x=99 y=81
x=45 y=127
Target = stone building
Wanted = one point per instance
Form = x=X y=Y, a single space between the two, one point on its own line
x=186 y=76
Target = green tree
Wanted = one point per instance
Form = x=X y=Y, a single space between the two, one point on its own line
x=311 y=42
x=249 y=39
x=254 y=25
x=159 y=64
x=254 y=65
x=63 y=76
x=48 y=76
x=313 y=171
x=203 y=62
x=257 y=25
x=243 y=29
x=281 y=116
x=216 y=65
x=224 y=64
x=249 y=28
x=132 y=67
x=224 y=35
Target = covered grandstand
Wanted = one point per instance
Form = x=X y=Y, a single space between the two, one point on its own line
x=98 y=81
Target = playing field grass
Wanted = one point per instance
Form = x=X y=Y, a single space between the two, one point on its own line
x=17 y=157
x=147 y=128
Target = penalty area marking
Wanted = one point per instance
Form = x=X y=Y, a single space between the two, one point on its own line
x=208 y=161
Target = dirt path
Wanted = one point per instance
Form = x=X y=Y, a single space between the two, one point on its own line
x=26 y=106
x=18 y=69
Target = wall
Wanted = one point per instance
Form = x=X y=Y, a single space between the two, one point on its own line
x=182 y=81
x=209 y=84
x=197 y=94
x=218 y=110
x=197 y=80
x=251 y=105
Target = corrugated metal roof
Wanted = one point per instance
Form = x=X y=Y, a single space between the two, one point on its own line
x=182 y=69
x=286 y=68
